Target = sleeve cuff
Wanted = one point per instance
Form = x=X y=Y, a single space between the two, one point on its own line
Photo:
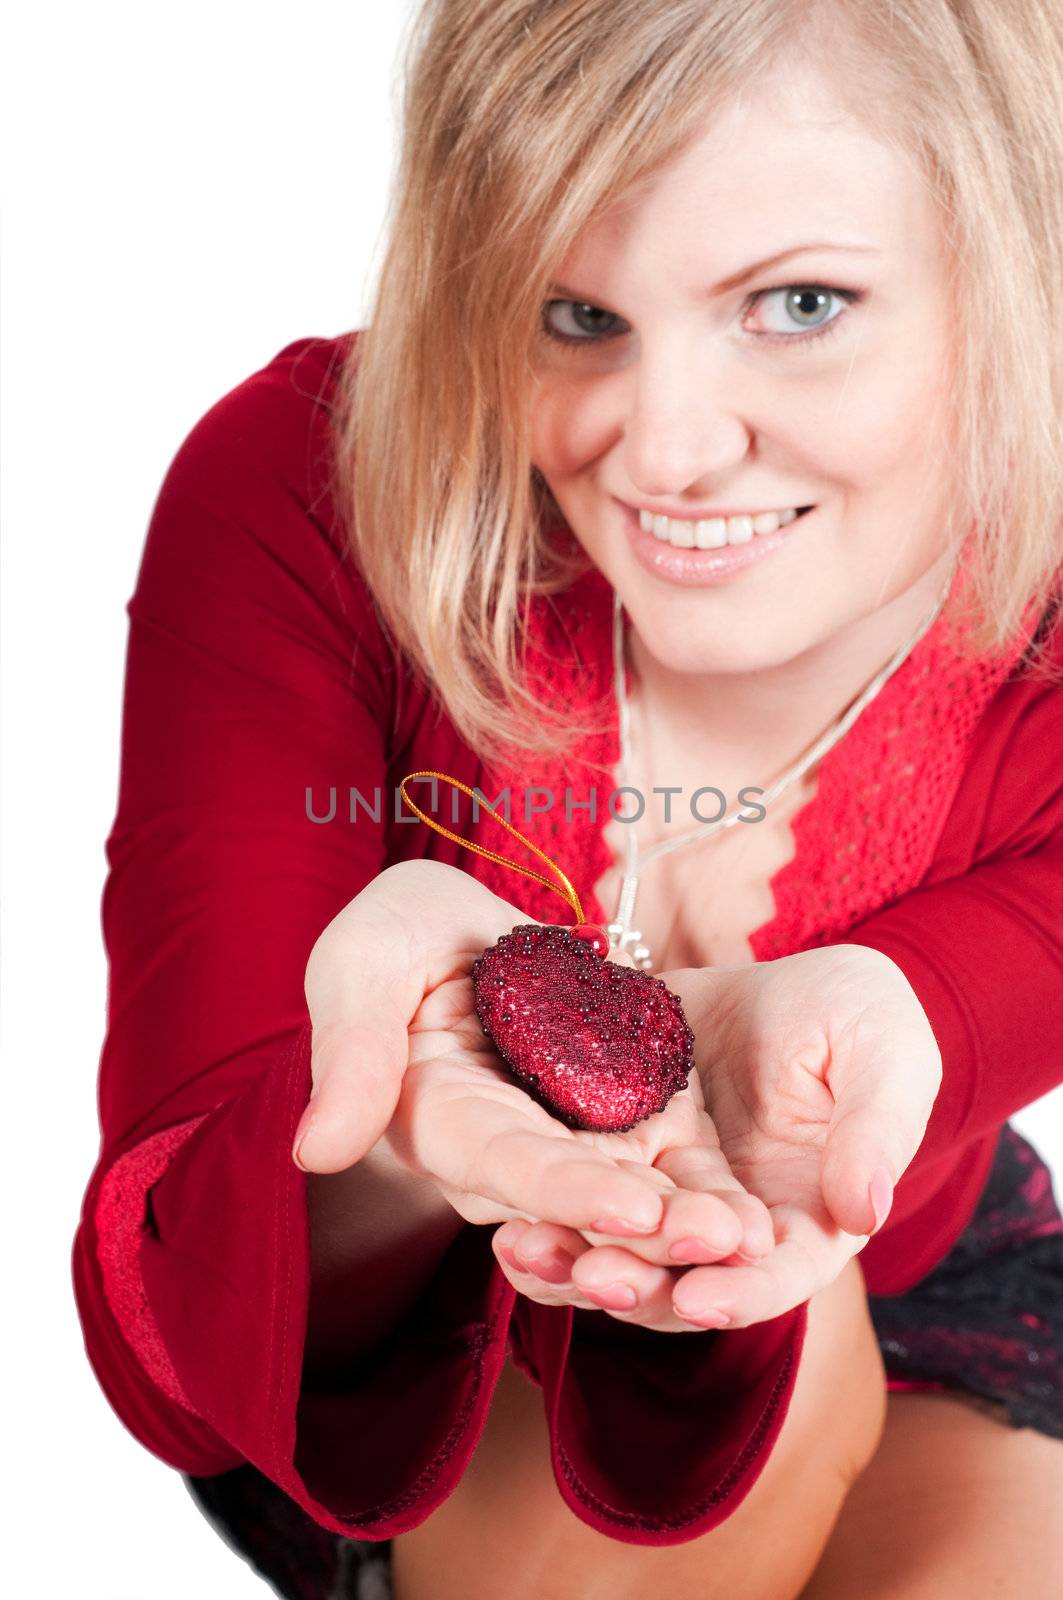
x=204 y=1261
x=204 y=1258
x=657 y=1438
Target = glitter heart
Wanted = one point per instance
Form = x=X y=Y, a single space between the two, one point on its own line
x=601 y=1046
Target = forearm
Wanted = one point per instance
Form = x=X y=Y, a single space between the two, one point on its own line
x=377 y=1234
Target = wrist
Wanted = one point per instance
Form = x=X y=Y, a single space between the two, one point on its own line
x=379 y=1202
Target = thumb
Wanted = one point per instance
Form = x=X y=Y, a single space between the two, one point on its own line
x=879 y=1120
x=885 y=1074
x=366 y=976
x=859 y=1171
x=878 y=1125
x=357 y=1069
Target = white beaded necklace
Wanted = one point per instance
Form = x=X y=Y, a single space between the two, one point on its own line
x=621 y=933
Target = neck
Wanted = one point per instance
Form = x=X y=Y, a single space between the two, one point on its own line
x=788 y=705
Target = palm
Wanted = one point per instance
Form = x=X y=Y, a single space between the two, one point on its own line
x=773 y=1127
x=463 y=1117
x=815 y=1069
x=801 y=1061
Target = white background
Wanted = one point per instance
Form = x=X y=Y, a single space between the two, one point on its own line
x=187 y=189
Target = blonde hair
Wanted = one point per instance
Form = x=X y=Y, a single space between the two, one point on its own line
x=523 y=119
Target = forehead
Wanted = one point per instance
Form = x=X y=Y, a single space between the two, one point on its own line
x=783 y=162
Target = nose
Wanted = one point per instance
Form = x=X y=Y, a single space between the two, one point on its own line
x=685 y=429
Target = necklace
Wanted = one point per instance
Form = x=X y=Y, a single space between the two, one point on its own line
x=621 y=933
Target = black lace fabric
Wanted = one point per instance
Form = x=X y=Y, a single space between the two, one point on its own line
x=989 y=1318
x=987 y=1322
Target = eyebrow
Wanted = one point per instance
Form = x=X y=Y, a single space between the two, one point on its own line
x=736 y=279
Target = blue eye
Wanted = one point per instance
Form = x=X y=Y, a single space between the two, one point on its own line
x=577 y=309
x=806 y=301
x=803 y=302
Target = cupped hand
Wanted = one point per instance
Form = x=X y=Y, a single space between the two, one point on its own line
x=818 y=1071
x=497 y=1154
x=399 y=1060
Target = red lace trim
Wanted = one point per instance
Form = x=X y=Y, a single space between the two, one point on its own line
x=866 y=836
x=120 y=1225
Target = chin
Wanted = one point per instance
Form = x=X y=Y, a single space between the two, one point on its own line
x=702 y=658
x=686 y=636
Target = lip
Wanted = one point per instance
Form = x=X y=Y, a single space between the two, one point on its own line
x=703 y=568
x=699 y=516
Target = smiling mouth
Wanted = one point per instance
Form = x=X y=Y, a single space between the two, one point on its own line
x=713 y=533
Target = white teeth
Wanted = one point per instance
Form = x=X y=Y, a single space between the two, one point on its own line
x=712 y=533
x=672 y=532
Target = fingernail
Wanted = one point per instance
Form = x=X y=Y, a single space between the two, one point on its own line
x=556 y=1267
x=510 y=1258
x=880 y=1193
x=706 y=1319
x=626 y=1225
x=614 y=1297
x=761 y=1244
x=306 y=1122
x=692 y=1250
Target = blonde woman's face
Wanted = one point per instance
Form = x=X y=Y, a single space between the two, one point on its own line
x=689 y=373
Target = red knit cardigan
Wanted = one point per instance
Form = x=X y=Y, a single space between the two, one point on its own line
x=257 y=671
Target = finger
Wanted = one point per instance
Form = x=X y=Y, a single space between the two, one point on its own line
x=531 y=1284
x=545 y=1248
x=622 y=958
x=884 y=1085
x=604 y=1273
x=617 y=1281
x=363 y=982
x=551 y=1250
x=357 y=1068
x=744 y=1295
x=694 y=1228
x=530 y=1261
x=858 y=1173
x=704 y=1180
x=592 y=1278
x=365 y=978
x=544 y=1176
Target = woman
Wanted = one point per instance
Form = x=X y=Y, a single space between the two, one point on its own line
x=694 y=396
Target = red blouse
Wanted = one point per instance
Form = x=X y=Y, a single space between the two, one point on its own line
x=258 y=677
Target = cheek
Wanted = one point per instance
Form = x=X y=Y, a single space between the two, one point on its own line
x=571 y=426
x=883 y=425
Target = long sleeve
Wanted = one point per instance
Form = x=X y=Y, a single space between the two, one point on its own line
x=981 y=943
x=256 y=673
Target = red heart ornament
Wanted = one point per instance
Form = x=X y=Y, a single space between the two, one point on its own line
x=601 y=1046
